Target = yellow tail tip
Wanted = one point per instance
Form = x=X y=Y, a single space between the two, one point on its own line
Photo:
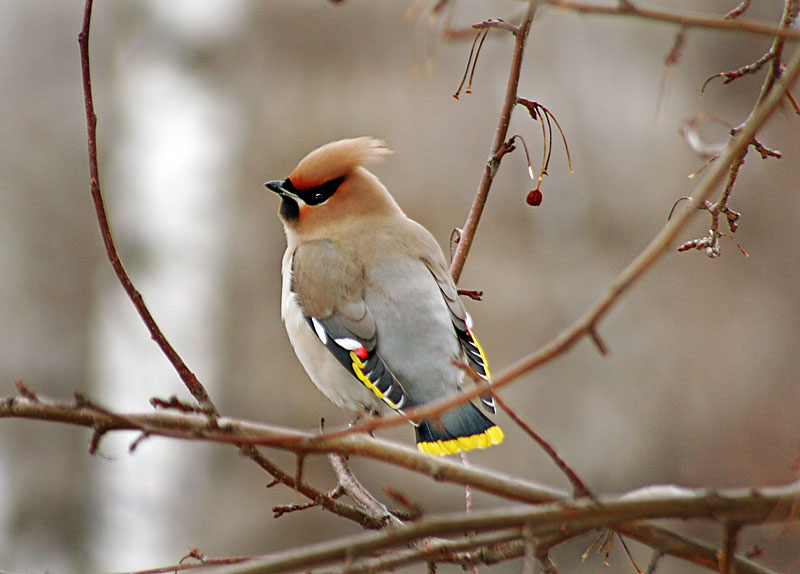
x=490 y=437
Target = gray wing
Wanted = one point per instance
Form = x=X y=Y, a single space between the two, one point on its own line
x=329 y=287
x=462 y=323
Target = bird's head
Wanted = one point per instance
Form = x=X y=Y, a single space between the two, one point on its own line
x=330 y=187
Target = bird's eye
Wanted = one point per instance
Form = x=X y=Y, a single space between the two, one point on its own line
x=319 y=198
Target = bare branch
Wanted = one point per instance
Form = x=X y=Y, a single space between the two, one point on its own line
x=189 y=379
x=739 y=10
x=195 y=427
x=189 y=426
x=329 y=501
x=414 y=511
x=205 y=562
x=567 y=338
x=738 y=73
x=710 y=243
x=728 y=547
x=187 y=376
x=575 y=517
x=578 y=486
x=476 y=210
x=687 y=20
x=353 y=488
x=517 y=524
x=438 y=550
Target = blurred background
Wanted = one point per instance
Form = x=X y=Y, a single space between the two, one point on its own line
x=200 y=102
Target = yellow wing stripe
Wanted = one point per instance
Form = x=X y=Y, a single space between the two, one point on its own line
x=358 y=368
x=483 y=355
x=489 y=437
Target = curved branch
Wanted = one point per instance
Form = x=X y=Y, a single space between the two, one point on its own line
x=188 y=377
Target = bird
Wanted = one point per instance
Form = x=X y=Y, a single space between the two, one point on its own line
x=368 y=302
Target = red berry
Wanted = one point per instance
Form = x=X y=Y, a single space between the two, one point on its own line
x=534 y=198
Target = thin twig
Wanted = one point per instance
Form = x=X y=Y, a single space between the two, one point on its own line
x=690 y=21
x=25 y=391
x=733 y=75
x=414 y=510
x=328 y=501
x=440 y=550
x=655 y=558
x=205 y=564
x=738 y=11
x=630 y=555
x=578 y=486
x=474 y=216
x=711 y=242
x=728 y=547
x=187 y=376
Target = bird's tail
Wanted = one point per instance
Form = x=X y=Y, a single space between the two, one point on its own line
x=461 y=429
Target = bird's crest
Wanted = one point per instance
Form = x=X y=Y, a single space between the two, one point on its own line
x=335 y=160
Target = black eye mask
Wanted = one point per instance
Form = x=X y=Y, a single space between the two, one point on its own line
x=314 y=195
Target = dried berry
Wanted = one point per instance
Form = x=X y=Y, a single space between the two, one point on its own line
x=534 y=198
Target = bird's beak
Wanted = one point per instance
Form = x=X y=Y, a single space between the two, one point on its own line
x=276 y=186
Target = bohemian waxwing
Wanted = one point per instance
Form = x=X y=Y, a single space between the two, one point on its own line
x=368 y=302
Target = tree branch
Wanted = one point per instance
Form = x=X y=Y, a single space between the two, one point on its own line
x=744 y=505
x=711 y=242
x=628 y=9
x=189 y=426
x=476 y=210
x=188 y=377
x=192 y=426
x=355 y=490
